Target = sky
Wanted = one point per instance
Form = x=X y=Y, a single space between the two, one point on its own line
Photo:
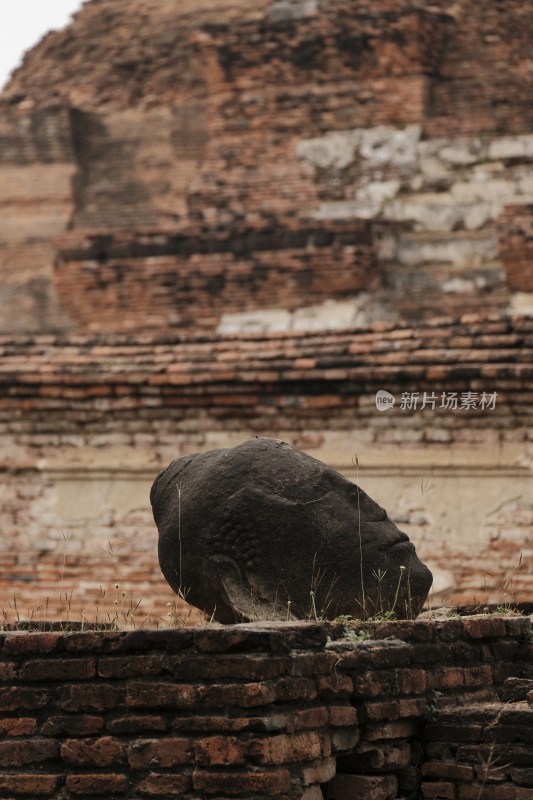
x=24 y=22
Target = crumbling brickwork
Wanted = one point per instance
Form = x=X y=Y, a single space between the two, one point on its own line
x=87 y=423
x=241 y=190
x=143 y=282
x=266 y=711
x=211 y=120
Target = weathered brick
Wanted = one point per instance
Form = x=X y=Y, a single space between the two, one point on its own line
x=439 y=750
x=164 y=753
x=478 y=676
x=286 y=749
x=245 y=666
x=334 y=687
x=398 y=729
x=516 y=689
x=436 y=790
x=220 y=751
x=130 y=666
x=474 y=791
x=19 y=752
x=411 y=681
x=78 y=725
x=377 y=655
x=19 y=726
x=484 y=627
x=58 y=669
x=312 y=793
x=175 y=640
x=8 y=671
x=372 y=684
x=97 y=784
x=268 y=723
x=342 y=715
x=490 y=771
x=320 y=771
x=446 y=678
x=386 y=710
x=272 y=783
x=294 y=689
x=315 y=717
x=416 y=707
x=93 y=641
x=357 y=787
x=26 y=643
x=522 y=776
x=158 y=785
x=231 y=639
x=103 y=752
x=21 y=698
x=241 y=695
x=90 y=697
x=161 y=695
x=312 y=663
x=449 y=770
x=138 y=723
x=341 y=740
x=396 y=756
x=26 y=784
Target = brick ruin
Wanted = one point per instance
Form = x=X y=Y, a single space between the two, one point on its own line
x=248 y=218
x=86 y=423
x=197 y=174
x=438 y=708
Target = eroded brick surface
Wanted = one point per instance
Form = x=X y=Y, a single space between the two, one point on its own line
x=155 y=736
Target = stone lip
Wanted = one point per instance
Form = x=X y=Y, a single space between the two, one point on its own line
x=264 y=531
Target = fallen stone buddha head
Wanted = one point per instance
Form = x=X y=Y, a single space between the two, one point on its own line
x=263 y=531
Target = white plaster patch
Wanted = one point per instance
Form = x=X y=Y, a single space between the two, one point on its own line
x=330 y=315
x=511 y=147
x=525 y=187
x=476 y=216
x=522 y=302
x=468 y=253
x=388 y=145
x=456 y=186
x=344 y=209
x=463 y=152
x=430 y=212
x=376 y=193
x=269 y=320
x=284 y=10
x=334 y=150
x=459 y=286
x=499 y=191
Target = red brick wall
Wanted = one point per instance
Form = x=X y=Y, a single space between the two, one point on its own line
x=159 y=281
x=83 y=420
x=266 y=711
x=250 y=711
x=516 y=246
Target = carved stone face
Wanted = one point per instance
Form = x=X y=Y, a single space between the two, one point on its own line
x=263 y=531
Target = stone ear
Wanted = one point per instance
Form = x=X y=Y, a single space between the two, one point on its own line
x=240 y=603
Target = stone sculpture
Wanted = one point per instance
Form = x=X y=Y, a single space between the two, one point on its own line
x=263 y=531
